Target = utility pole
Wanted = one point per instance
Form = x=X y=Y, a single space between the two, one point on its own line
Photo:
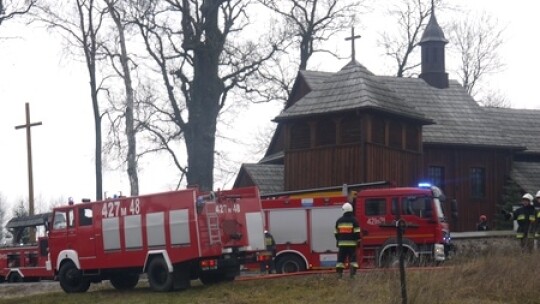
x=27 y=126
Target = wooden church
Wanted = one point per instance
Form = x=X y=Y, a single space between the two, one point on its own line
x=352 y=126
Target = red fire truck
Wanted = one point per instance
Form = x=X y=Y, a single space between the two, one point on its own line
x=173 y=237
x=302 y=223
x=20 y=262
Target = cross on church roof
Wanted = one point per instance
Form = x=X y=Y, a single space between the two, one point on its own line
x=352 y=38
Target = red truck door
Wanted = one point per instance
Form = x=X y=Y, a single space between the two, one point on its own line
x=85 y=232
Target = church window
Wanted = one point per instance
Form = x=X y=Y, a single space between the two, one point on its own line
x=436 y=176
x=300 y=136
x=478 y=182
x=326 y=132
x=351 y=130
x=377 y=131
x=395 y=134
x=412 y=138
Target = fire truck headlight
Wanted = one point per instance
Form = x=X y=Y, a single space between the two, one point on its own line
x=438 y=252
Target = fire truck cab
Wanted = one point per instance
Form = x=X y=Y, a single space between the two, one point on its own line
x=173 y=237
x=303 y=227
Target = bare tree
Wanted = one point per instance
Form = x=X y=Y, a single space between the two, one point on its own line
x=117 y=13
x=477 y=41
x=12 y=8
x=312 y=22
x=208 y=61
x=411 y=17
x=495 y=99
x=81 y=30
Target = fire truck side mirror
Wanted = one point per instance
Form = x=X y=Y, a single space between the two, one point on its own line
x=454 y=209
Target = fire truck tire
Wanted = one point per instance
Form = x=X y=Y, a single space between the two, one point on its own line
x=15 y=277
x=159 y=277
x=71 y=279
x=125 y=280
x=289 y=263
x=391 y=259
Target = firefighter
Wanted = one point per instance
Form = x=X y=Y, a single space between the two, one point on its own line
x=537 y=228
x=347 y=233
x=483 y=224
x=525 y=217
x=270 y=244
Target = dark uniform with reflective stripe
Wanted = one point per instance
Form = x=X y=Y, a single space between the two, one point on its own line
x=347 y=232
x=526 y=218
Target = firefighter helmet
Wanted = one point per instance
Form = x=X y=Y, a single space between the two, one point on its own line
x=538 y=193
x=528 y=197
x=347 y=207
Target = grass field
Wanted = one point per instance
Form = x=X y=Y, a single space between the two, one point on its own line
x=506 y=277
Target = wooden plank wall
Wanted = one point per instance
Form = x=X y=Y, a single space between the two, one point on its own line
x=331 y=166
x=457 y=163
x=324 y=166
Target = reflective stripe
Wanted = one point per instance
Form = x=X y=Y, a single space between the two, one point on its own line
x=346 y=243
x=521 y=217
x=520 y=235
x=340 y=265
x=354 y=264
x=345 y=227
x=357 y=229
x=532 y=218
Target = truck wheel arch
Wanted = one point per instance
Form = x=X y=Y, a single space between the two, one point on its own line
x=293 y=253
x=15 y=276
x=155 y=253
x=67 y=255
x=391 y=243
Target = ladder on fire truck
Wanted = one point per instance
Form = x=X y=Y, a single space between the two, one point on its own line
x=327 y=191
x=212 y=222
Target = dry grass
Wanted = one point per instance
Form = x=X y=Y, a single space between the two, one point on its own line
x=501 y=277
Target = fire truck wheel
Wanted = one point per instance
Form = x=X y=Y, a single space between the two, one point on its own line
x=15 y=277
x=391 y=259
x=125 y=280
x=289 y=263
x=159 y=277
x=71 y=279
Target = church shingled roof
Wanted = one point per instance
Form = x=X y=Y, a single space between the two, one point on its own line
x=525 y=174
x=269 y=178
x=459 y=120
x=520 y=124
x=353 y=87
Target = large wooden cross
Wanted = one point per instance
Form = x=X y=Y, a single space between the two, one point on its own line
x=352 y=38
x=27 y=126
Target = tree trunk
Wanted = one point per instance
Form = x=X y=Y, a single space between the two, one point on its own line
x=97 y=126
x=130 y=129
x=206 y=91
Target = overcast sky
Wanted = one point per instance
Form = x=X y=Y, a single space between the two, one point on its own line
x=34 y=69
